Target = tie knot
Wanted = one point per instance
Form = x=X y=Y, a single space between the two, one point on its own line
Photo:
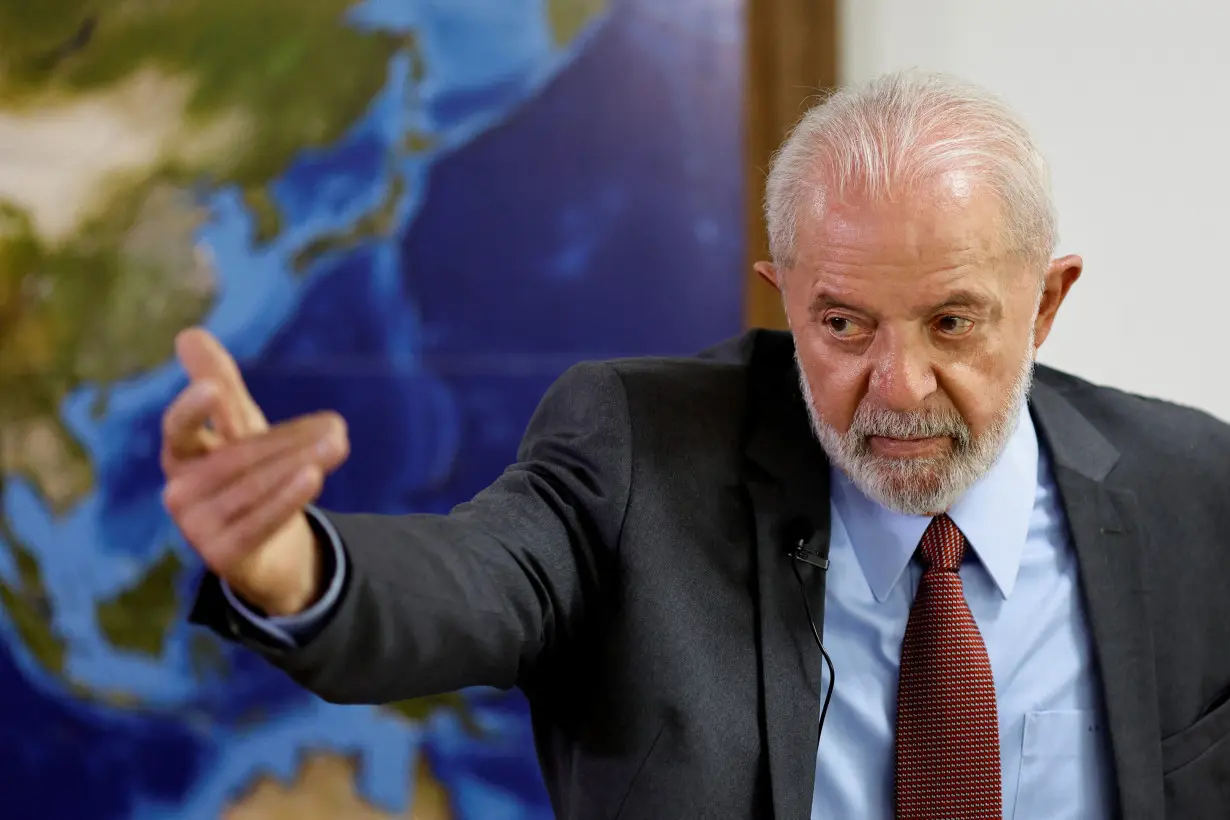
x=943 y=545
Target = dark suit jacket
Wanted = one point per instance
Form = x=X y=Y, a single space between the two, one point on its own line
x=630 y=574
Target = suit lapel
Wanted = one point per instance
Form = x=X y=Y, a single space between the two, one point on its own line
x=787 y=485
x=1110 y=553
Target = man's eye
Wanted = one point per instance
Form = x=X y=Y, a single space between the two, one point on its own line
x=841 y=326
x=954 y=325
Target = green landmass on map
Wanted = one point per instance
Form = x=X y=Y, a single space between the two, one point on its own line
x=282 y=75
x=140 y=618
x=568 y=18
x=28 y=605
x=377 y=222
x=296 y=68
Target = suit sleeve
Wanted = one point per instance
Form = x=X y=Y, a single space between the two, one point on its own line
x=483 y=595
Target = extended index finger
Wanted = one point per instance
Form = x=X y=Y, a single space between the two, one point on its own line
x=205 y=359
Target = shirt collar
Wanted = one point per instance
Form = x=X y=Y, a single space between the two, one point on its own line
x=994 y=515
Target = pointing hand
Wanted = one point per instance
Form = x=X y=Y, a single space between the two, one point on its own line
x=237 y=488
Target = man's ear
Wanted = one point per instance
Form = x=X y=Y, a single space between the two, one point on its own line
x=768 y=272
x=1058 y=280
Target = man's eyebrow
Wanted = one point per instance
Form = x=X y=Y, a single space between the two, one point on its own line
x=972 y=299
x=826 y=299
x=964 y=298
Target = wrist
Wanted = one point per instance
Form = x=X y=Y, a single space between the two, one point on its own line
x=287 y=578
x=293 y=601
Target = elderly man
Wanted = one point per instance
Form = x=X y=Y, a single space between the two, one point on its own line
x=1012 y=583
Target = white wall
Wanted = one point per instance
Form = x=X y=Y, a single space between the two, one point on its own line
x=1130 y=101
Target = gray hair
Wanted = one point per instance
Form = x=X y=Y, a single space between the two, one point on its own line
x=900 y=130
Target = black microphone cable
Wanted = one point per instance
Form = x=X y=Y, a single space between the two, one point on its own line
x=815 y=633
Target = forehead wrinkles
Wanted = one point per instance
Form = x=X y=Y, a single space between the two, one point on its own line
x=952 y=216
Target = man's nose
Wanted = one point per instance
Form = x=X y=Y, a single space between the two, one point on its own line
x=902 y=373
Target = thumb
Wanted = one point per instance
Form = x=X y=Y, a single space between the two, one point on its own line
x=205 y=359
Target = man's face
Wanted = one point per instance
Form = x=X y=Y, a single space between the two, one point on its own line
x=915 y=334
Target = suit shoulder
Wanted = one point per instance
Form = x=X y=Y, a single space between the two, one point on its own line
x=667 y=391
x=726 y=363
x=703 y=396
x=1147 y=426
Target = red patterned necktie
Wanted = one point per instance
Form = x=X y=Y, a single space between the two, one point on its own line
x=947 y=721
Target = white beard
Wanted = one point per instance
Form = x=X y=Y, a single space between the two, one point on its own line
x=924 y=485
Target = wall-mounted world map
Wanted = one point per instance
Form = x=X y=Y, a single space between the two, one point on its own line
x=415 y=212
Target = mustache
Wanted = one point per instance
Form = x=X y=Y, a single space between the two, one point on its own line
x=871 y=421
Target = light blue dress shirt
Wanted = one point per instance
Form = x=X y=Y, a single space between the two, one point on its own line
x=1022 y=587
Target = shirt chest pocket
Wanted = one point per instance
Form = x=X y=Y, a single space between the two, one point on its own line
x=1063 y=768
